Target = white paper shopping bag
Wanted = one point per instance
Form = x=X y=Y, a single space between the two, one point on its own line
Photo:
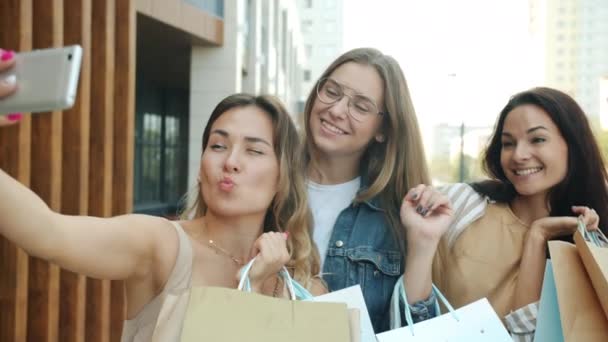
x=471 y=323
x=474 y=322
x=353 y=298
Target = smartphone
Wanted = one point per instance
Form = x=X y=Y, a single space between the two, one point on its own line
x=47 y=80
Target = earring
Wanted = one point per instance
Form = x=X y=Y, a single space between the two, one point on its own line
x=380 y=138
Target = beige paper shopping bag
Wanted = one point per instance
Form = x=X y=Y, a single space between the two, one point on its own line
x=581 y=314
x=595 y=259
x=220 y=314
x=354 y=319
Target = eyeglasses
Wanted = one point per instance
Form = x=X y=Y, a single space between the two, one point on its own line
x=360 y=107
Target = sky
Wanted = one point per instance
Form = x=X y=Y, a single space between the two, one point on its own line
x=462 y=59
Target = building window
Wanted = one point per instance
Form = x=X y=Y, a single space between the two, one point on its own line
x=284 y=41
x=215 y=7
x=306 y=26
x=161 y=149
x=330 y=4
x=330 y=27
x=308 y=50
x=307 y=76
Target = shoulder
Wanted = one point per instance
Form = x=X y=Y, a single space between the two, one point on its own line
x=460 y=193
x=468 y=206
x=162 y=243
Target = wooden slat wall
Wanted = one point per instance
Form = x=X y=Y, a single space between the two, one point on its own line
x=124 y=137
x=75 y=165
x=101 y=153
x=45 y=180
x=79 y=161
x=15 y=33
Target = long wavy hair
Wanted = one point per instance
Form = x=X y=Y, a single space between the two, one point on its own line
x=586 y=180
x=289 y=211
x=391 y=168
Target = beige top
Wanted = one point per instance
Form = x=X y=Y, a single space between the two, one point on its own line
x=141 y=327
x=484 y=260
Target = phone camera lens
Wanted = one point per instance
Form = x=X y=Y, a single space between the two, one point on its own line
x=69 y=57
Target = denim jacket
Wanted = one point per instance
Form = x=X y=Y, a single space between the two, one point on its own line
x=362 y=250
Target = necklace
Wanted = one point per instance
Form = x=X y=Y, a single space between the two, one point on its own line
x=220 y=250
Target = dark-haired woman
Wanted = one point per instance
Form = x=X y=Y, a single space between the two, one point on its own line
x=546 y=170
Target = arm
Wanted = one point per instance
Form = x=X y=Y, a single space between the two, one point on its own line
x=528 y=288
x=522 y=321
x=427 y=214
x=533 y=260
x=115 y=248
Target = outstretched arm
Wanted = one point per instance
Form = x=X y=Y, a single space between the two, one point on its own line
x=113 y=248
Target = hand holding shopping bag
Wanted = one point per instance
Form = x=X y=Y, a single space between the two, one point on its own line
x=580 y=315
x=593 y=249
x=222 y=314
x=473 y=322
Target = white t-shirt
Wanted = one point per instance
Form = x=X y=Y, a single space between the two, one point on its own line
x=326 y=203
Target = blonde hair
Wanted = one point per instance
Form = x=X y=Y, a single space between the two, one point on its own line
x=289 y=210
x=391 y=168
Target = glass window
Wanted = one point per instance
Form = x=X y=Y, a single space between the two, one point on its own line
x=308 y=50
x=307 y=75
x=306 y=26
x=161 y=149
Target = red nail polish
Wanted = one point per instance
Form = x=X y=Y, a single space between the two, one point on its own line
x=7 y=56
x=286 y=235
x=15 y=117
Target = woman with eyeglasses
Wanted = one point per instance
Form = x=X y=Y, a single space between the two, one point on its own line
x=363 y=152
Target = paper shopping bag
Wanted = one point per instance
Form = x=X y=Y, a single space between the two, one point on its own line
x=474 y=322
x=354 y=321
x=548 y=324
x=220 y=314
x=581 y=314
x=595 y=259
x=353 y=298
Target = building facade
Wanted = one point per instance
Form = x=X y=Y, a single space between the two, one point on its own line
x=182 y=76
x=574 y=34
x=322 y=23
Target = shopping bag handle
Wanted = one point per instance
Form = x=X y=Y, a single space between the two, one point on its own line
x=399 y=292
x=296 y=291
x=595 y=237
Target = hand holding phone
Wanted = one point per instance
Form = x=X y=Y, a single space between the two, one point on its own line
x=46 y=80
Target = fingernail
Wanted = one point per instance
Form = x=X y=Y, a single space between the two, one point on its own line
x=424 y=212
x=7 y=56
x=419 y=209
x=286 y=235
x=414 y=196
x=9 y=81
x=15 y=117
